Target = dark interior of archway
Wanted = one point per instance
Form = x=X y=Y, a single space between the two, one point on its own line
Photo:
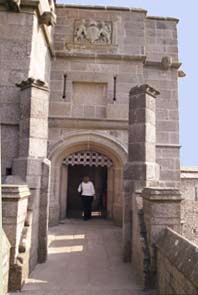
x=98 y=175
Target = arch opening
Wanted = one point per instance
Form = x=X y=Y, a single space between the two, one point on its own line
x=99 y=157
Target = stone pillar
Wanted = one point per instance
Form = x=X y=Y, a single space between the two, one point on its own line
x=110 y=192
x=44 y=212
x=118 y=195
x=141 y=169
x=63 y=200
x=18 y=230
x=34 y=104
x=15 y=202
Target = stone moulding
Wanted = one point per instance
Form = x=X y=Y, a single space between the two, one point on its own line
x=63 y=54
x=32 y=82
x=162 y=194
x=15 y=192
x=173 y=19
x=87 y=123
x=145 y=88
x=164 y=64
x=100 y=7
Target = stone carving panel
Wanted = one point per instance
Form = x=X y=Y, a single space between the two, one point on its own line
x=93 y=32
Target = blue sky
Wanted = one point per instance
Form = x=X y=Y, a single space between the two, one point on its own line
x=186 y=11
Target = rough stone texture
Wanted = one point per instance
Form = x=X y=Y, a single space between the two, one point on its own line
x=14 y=212
x=34 y=107
x=5 y=263
x=177 y=263
x=138 y=246
x=44 y=211
x=100 y=54
x=189 y=189
x=15 y=203
x=26 y=51
x=141 y=169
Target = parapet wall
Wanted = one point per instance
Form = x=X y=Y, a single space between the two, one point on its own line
x=189 y=189
x=177 y=264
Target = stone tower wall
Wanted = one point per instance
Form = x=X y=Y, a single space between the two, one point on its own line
x=26 y=51
x=143 y=49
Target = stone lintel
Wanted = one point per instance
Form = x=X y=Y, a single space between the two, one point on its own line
x=13 y=192
x=161 y=194
x=146 y=89
x=64 y=54
x=101 y=124
x=32 y=82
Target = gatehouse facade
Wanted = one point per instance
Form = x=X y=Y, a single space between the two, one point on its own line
x=87 y=90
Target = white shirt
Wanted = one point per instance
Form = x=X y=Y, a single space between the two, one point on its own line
x=86 y=189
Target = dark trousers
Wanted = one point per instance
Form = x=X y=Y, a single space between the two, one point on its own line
x=86 y=204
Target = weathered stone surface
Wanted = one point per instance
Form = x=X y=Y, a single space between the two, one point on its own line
x=92 y=46
x=189 y=189
x=6 y=261
x=178 y=260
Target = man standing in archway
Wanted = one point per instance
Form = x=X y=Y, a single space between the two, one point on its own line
x=87 y=191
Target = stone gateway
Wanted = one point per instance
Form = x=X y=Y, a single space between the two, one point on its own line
x=93 y=91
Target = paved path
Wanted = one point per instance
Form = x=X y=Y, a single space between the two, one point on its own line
x=84 y=259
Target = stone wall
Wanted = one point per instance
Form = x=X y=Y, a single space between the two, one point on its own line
x=177 y=263
x=17 y=226
x=26 y=51
x=15 y=45
x=6 y=259
x=189 y=189
x=162 y=46
x=139 y=246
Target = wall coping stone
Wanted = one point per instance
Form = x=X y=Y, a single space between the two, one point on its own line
x=13 y=192
x=116 y=8
x=102 y=7
x=163 y=18
x=156 y=194
x=181 y=253
x=145 y=88
x=189 y=172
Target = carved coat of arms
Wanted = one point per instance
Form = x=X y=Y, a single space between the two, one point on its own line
x=93 y=32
